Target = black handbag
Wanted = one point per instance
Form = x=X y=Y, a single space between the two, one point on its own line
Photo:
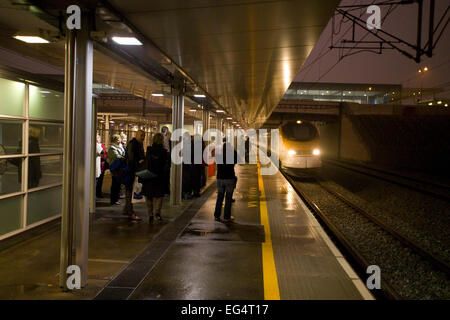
x=145 y=173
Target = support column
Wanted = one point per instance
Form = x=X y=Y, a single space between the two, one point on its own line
x=77 y=152
x=107 y=128
x=177 y=123
x=219 y=123
x=205 y=120
x=93 y=156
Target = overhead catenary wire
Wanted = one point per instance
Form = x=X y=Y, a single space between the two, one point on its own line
x=391 y=9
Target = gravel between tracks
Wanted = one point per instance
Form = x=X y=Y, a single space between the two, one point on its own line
x=419 y=217
x=410 y=275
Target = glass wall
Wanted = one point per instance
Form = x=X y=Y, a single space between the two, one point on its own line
x=31 y=155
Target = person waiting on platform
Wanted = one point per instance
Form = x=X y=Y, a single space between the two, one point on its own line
x=226 y=182
x=152 y=188
x=116 y=154
x=134 y=158
x=186 y=185
x=100 y=166
x=168 y=147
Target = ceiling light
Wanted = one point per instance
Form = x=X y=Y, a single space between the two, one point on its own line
x=127 y=41
x=199 y=96
x=193 y=110
x=31 y=39
x=439 y=102
x=220 y=111
x=44 y=91
x=430 y=103
x=229 y=118
x=157 y=95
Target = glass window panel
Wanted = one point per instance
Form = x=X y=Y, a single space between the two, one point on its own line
x=45 y=137
x=44 y=170
x=10 y=175
x=10 y=137
x=44 y=204
x=12 y=97
x=10 y=214
x=46 y=103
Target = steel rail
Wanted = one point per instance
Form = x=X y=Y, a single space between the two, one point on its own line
x=437 y=262
x=389 y=177
x=387 y=289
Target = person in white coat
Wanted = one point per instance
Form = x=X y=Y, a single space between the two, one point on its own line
x=116 y=152
x=100 y=165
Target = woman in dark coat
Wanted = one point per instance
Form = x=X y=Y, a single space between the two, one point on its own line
x=153 y=189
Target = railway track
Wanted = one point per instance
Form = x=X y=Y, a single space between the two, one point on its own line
x=434 y=189
x=388 y=289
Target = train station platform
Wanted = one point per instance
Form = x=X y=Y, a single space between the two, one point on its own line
x=274 y=249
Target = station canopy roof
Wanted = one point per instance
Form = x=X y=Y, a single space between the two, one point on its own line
x=242 y=54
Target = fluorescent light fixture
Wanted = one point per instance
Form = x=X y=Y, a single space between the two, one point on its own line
x=220 y=111
x=157 y=95
x=43 y=91
x=193 y=110
x=439 y=102
x=229 y=118
x=31 y=39
x=127 y=41
x=199 y=96
x=430 y=103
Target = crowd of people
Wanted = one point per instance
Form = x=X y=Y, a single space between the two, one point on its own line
x=130 y=164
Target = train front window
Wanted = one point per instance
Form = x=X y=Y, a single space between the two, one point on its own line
x=300 y=132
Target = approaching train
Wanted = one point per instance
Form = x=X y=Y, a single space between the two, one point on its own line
x=299 y=145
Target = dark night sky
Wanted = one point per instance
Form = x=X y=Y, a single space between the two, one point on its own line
x=391 y=67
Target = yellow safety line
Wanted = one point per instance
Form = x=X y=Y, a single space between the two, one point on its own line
x=271 y=290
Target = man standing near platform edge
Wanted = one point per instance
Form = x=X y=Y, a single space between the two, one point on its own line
x=226 y=182
x=134 y=158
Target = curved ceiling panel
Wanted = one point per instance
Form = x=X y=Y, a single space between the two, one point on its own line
x=245 y=53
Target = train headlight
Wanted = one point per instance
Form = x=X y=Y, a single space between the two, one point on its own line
x=291 y=152
x=316 y=152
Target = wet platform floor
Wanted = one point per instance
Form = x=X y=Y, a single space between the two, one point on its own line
x=192 y=256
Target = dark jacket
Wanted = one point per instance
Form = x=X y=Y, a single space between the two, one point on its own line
x=134 y=154
x=226 y=171
x=156 y=162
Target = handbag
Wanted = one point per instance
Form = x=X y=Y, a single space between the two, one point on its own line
x=146 y=174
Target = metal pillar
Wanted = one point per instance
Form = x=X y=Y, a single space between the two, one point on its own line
x=107 y=128
x=93 y=157
x=219 y=123
x=176 y=169
x=205 y=120
x=77 y=152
